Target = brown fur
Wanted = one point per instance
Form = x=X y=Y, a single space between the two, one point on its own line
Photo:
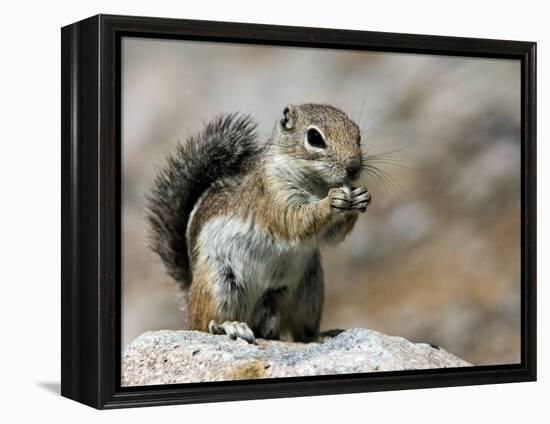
x=292 y=221
x=201 y=307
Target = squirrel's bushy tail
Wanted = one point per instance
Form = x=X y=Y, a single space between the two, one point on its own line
x=226 y=147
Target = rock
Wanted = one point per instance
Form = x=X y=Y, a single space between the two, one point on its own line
x=166 y=357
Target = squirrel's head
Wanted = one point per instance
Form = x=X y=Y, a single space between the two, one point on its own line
x=320 y=142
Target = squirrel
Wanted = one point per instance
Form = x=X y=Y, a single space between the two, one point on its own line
x=239 y=224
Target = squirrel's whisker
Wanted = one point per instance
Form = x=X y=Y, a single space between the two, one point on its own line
x=383 y=175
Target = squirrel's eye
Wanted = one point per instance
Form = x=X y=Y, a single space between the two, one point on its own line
x=359 y=139
x=315 y=139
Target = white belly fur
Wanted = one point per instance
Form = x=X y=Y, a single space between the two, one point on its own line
x=258 y=259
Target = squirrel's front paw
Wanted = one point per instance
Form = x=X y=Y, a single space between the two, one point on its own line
x=360 y=199
x=344 y=199
x=340 y=199
x=233 y=329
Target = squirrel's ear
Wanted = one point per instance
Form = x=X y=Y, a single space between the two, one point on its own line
x=289 y=117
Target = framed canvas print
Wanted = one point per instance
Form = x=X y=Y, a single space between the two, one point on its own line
x=254 y=211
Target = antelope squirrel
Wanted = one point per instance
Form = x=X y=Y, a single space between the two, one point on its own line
x=239 y=223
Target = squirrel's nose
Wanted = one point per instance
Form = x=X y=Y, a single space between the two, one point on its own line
x=352 y=168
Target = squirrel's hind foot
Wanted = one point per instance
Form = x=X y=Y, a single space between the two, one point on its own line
x=233 y=329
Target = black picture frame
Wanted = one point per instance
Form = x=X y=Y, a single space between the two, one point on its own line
x=91 y=210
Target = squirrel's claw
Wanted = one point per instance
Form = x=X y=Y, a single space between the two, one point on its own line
x=360 y=199
x=233 y=329
x=339 y=199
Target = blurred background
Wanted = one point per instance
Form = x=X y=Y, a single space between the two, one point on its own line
x=436 y=258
